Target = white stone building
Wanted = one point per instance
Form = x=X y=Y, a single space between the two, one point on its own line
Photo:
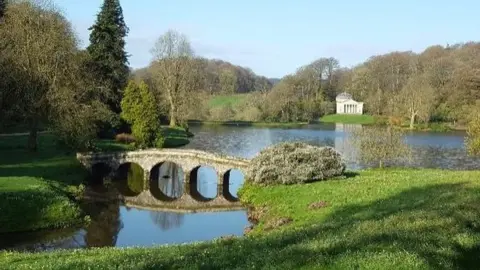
x=346 y=104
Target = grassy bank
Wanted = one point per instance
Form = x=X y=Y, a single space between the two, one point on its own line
x=227 y=100
x=35 y=187
x=348 y=119
x=174 y=137
x=399 y=219
x=30 y=203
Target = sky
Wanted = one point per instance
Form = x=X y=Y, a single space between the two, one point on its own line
x=275 y=37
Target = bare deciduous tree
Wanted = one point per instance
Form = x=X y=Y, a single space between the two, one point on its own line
x=380 y=145
x=176 y=76
x=416 y=100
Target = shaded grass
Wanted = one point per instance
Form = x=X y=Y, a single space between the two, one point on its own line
x=398 y=219
x=28 y=203
x=36 y=188
x=363 y=119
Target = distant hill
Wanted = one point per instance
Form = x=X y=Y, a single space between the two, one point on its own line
x=245 y=79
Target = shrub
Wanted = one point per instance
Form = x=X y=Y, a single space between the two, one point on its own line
x=222 y=113
x=473 y=132
x=380 y=145
x=140 y=110
x=124 y=138
x=292 y=163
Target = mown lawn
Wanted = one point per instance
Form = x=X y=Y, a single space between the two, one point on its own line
x=394 y=219
x=363 y=119
x=36 y=189
x=29 y=203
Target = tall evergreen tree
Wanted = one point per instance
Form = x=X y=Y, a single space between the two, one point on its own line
x=108 y=58
x=3 y=4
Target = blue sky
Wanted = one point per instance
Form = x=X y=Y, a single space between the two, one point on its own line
x=274 y=38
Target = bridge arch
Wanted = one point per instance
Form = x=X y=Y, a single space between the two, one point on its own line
x=128 y=179
x=233 y=179
x=166 y=181
x=203 y=183
x=98 y=172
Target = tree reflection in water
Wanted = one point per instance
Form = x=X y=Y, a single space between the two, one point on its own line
x=128 y=179
x=104 y=226
x=167 y=220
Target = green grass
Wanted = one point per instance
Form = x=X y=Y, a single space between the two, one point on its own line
x=348 y=119
x=174 y=137
x=35 y=188
x=29 y=203
x=394 y=219
x=225 y=100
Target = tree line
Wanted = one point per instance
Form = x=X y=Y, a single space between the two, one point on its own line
x=440 y=84
x=46 y=78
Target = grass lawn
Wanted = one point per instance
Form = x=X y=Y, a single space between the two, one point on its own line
x=348 y=119
x=30 y=203
x=35 y=187
x=174 y=137
x=225 y=100
x=394 y=219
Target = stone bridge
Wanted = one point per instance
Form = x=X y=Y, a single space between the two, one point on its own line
x=188 y=160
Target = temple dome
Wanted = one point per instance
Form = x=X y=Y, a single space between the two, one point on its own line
x=344 y=96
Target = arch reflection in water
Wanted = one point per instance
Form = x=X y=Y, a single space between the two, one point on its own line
x=99 y=172
x=232 y=181
x=128 y=179
x=203 y=183
x=166 y=181
x=105 y=224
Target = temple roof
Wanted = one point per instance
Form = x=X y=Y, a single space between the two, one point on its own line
x=343 y=96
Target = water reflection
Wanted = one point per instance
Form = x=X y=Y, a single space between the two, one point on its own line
x=128 y=179
x=167 y=220
x=232 y=183
x=430 y=149
x=166 y=181
x=203 y=183
x=104 y=226
x=125 y=227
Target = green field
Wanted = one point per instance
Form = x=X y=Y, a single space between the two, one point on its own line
x=348 y=119
x=393 y=219
x=36 y=189
x=227 y=100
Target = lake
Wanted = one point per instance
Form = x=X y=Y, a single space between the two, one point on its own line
x=117 y=225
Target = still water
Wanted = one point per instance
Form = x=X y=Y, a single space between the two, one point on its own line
x=117 y=225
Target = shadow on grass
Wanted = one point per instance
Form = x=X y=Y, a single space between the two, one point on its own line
x=436 y=225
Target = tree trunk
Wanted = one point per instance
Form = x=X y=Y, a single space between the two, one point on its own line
x=380 y=164
x=412 y=120
x=173 y=111
x=32 y=137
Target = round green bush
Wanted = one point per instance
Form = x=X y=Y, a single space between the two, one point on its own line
x=293 y=163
